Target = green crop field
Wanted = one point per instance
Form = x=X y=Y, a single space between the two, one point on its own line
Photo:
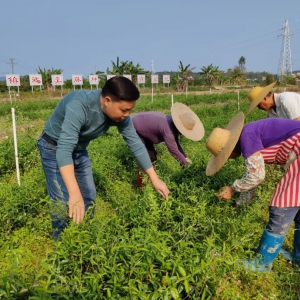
x=138 y=245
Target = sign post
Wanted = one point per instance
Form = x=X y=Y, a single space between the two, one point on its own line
x=77 y=80
x=35 y=80
x=166 y=79
x=154 y=79
x=57 y=80
x=12 y=80
x=109 y=76
x=94 y=80
x=128 y=76
x=141 y=79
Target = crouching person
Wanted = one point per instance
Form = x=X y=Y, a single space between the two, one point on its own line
x=271 y=141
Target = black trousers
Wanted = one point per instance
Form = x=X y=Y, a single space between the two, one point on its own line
x=150 y=148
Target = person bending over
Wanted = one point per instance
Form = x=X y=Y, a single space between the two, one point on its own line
x=154 y=128
x=80 y=117
x=267 y=141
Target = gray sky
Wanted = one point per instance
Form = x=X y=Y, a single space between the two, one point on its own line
x=81 y=36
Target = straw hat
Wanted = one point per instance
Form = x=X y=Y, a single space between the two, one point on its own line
x=187 y=122
x=258 y=94
x=221 y=143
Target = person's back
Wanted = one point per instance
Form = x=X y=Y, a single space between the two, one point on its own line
x=287 y=105
x=267 y=132
x=153 y=125
x=278 y=105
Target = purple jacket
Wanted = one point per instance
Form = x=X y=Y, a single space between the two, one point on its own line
x=157 y=128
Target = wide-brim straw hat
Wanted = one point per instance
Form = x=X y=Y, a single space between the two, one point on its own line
x=258 y=94
x=221 y=143
x=187 y=122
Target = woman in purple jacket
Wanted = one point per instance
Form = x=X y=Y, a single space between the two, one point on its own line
x=154 y=128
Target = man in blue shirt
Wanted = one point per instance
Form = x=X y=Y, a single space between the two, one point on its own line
x=80 y=117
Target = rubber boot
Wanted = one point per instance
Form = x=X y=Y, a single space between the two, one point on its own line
x=268 y=249
x=294 y=256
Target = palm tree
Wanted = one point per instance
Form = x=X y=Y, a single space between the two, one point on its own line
x=126 y=67
x=134 y=70
x=215 y=73
x=100 y=74
x=209 y=73
x=222 y=78
x=117 y=67
x=183 y=77
x=46 y=76
x=237 y=76
x=242 y=62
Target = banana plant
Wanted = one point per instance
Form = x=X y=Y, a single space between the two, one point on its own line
x=183 y=77
x=46 y=76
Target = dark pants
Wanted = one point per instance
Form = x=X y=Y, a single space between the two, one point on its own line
x=150 y=148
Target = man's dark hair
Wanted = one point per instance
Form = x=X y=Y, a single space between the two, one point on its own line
x=269 y=94
x=120 y=88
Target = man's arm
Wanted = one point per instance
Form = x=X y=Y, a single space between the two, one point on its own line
x=76 y=203
x=139 y=151
x=158 y=184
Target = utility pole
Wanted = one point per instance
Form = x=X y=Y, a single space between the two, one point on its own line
x=285 y=61
x=12 y=63
x=152 y=67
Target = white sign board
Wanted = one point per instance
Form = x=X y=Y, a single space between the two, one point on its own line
x=166 y=78
x=110 y=76
x=141 y=79
x=12 y=80
x=127 y=76
x=57 y=79
x=77 y=80
x=94 y=79
x=154 y=78
x=35 y=79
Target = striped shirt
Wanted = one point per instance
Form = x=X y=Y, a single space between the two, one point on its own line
x=78 y=119
x=276 y=140
x=287 y=191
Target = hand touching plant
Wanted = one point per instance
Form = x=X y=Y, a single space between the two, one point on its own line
x=188 y=160
x=225 y=193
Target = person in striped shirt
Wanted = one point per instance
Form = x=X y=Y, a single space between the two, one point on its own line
x=80 y=117
x=267 y=141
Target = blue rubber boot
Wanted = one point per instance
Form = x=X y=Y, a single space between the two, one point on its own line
x=294 y=256
x=268 y=249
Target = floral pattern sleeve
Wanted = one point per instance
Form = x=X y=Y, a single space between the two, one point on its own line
x=254 y=175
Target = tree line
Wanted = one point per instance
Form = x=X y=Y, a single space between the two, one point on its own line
x=185 y=76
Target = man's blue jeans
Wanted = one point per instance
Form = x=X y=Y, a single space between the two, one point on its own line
x=281 y=218
x=56 y=186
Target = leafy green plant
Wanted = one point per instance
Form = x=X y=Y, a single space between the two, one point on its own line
x=138 y=246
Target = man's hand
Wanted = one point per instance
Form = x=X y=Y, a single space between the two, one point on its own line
x=161 y=188
x=76 y=209
x=76 y=203
x=158 y=184
x=226 y=193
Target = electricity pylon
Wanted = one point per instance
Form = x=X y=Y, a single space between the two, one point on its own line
x=285 y=61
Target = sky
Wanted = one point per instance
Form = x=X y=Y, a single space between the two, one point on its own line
x=81 y=37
